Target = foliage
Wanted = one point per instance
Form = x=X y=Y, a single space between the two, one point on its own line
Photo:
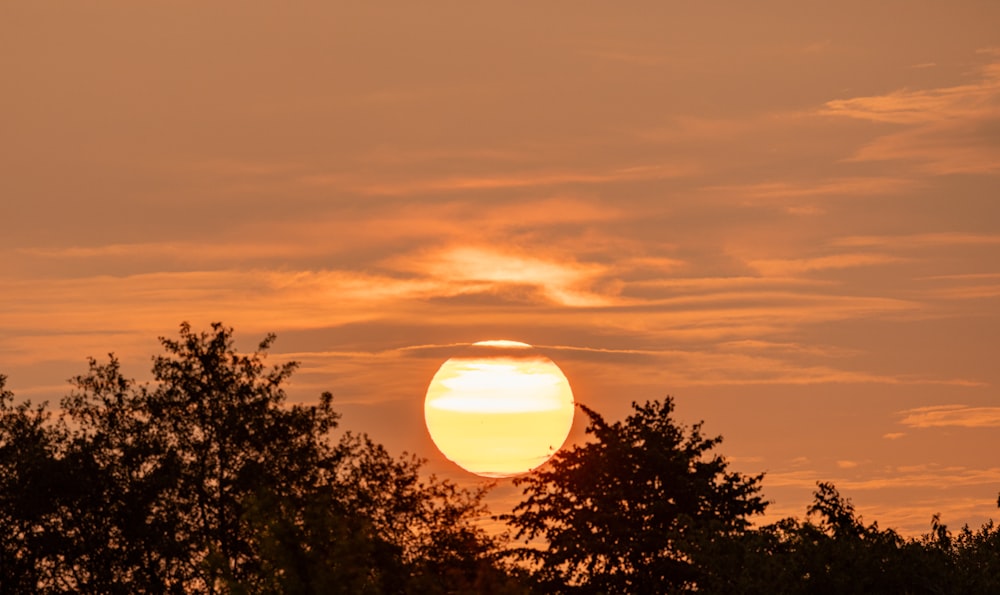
x=643 y=508
x=646 y=508
x=207 y=481
x=835 y=552
x=966 y=562
x=29 y=485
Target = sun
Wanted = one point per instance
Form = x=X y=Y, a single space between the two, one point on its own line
x=500 y=409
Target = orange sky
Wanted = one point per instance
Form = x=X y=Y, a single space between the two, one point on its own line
x=785 y=214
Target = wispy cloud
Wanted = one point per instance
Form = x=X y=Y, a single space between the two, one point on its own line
x=757 y=345
x=722 y=367
x=788 y=267
x=728 y=315
x=923 y=476
x=837 y=188
x=204 y=251
x=486 y=268
x=964 y=277
x=945 y=129
x=262 y=300
x=951 y=416
x=966 y=292
x=970 y=286
x=921 y=240
x=918 y=107
x=339 y=235
x=725 y=283
x=663 y=367
x=527 y=179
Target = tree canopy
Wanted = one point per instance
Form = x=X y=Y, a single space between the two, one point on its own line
x=640 y=508
x=207 y=480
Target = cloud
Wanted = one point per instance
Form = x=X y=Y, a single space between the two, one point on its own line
x=203 y=251
x=965 y=277
x=355 y=238
x=729 y=315
x=921 y=240
x=840 y=187
x=805 y=210
x=967 y=292
x=707 y=284
x=527 y=179
x=260 y=300
x=807 y=197
x=675 y=367
x=744 y=460
x=918 y=107
x=777 y=267
x=942 y=148
x=969 y=286
x=917 y=476
x=268 y=299
x=947 y=130
x=757 y=345
x=933 y=476
x=914 y=517
x=481 y=268
x=719 y=367
x=961 y=416
x=894 y=435
x=456 y=284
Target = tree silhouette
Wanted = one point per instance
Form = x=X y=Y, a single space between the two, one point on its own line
x=835 y=552
x=640 y=509
x=29 y=485
x=207 y=480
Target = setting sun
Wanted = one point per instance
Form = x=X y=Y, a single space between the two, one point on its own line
x=501 y=409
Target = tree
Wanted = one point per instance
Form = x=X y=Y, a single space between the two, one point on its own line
x=206 y=480
x=404 y=533
x=166 y=471
x=644 y=507
x=841 y=554
x=967 y=562
x=29 y=484
x=835 y=552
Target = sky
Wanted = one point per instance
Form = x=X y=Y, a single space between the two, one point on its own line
x=784 y=214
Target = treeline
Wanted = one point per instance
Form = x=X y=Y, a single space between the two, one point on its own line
x=206 y=480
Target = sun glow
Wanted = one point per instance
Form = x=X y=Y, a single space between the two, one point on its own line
x=500 y=410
